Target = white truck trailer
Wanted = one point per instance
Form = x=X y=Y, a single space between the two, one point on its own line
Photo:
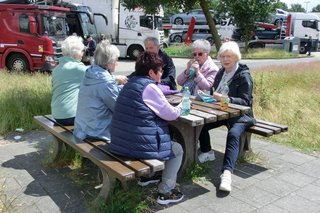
x=126 y=29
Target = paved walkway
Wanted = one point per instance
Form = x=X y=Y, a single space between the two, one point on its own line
x=284 y=181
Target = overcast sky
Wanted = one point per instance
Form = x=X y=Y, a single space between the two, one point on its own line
x=305 y=3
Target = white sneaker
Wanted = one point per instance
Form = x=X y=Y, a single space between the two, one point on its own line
x=206 y=156
x=225 y=184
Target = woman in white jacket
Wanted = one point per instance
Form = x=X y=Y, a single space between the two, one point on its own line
x=201 y=70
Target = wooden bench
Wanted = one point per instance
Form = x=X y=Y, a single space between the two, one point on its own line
x=262 y=128
x=112 y=166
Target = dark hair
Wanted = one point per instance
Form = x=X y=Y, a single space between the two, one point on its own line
x=147 y=61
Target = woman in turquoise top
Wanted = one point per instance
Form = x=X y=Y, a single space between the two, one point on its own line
x=66 y=80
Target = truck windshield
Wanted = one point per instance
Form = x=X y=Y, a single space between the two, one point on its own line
x=158 y=23
x=54 y=26
x=88 y=28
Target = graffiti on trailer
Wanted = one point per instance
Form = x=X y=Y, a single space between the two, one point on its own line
x=131 y=22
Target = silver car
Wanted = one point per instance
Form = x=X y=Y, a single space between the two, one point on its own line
x=197 y=34
x=185 y=18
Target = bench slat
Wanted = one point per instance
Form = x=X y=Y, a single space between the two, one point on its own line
x=282 y=127
x=208 y=117
x=276 y=130
x=260 y=131
x=140 y=168
x=102 y=160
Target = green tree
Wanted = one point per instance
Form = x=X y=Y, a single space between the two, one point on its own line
x=280 y=5
x=246 y=13
x=297 y=8
x=152 y=7
x=316 y=8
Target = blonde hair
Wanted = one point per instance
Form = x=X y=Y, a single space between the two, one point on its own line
x=231 y=47
x=72 y=46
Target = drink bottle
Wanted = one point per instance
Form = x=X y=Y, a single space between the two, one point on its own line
x=192 y=71
x=224 y=99
x=185 y=109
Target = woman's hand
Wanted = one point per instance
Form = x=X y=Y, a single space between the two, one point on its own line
x=121 y=79
x=217 y=96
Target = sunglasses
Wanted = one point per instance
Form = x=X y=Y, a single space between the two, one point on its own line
x=197 y=54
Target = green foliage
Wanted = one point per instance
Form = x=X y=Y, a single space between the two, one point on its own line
x=134 y=199
x=21 y=97
x=260 y=53
x=316 y=8
x=183 y=51
x=297 y=8
x=196 y=172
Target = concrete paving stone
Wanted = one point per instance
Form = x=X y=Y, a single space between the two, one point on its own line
x=255 y=197
x=173 y=209
x=31 y=208
x=276 y=148
x=270 y=209
x=297 y=158
x=279 y=164
x=23 y=149
x=228 y=204
x=267 y=155
x=266 y=174
x=197 y=202
x=240 y=182
x=317 y=182
x=46 y=205
x=310 y=192
x=276 y=186
x=296 y=178
x=295 y=203
x=310 y=168
x=258 y=144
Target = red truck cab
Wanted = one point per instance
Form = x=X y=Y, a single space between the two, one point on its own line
x=30 y=36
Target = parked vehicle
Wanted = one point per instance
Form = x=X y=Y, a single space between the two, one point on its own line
x=179 y=37
x=259 y=33
x=126 y=28
x=185 y=18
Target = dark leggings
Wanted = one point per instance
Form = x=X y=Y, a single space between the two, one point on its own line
x=232 y=145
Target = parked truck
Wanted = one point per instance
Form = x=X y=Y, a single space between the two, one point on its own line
x=29 y=36
x=295 y=25
x=126 y=28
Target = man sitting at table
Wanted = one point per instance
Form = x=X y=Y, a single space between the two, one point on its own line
x=240 y=92
x=139 y=127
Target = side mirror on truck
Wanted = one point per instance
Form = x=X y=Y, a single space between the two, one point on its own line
x=32 y=25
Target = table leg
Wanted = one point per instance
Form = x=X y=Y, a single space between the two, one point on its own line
x=187 y=136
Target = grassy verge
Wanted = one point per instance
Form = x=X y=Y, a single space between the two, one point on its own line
x=181 y=50
x=21 y=97
x=290 y=95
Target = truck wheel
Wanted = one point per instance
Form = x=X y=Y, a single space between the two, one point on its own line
x=303 y=49
x=178 y=21
x=17 y=63
x=177 y=39
x=134 y=51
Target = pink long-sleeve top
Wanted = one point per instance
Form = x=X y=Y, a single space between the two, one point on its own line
x=205 y=78
x=154 y=98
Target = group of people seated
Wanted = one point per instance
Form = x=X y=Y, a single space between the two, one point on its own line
x=131 y=113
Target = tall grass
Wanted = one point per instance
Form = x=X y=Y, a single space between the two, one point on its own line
x=21 y=97
x=290 y=95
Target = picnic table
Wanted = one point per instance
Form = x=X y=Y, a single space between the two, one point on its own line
x=186 y=129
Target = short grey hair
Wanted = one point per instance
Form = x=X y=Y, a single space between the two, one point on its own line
x=202 y=44
x=106 y=53
x=231 y=47
x=72 y=46
x=152 y=39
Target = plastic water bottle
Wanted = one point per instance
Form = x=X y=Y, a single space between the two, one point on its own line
x=224 y=98
x=192 y=71
x=185 y=109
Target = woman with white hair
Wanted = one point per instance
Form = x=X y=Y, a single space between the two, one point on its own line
x=98 y=94
x=66 y=79
x=201 y=70
x=240 y=84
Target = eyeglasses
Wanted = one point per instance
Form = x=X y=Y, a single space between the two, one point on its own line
x=197 y=54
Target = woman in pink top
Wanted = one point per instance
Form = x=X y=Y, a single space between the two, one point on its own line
x=203 y=69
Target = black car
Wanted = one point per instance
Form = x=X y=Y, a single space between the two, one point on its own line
x=259 y=33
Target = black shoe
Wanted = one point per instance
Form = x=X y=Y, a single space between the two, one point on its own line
x=172 y=197
x=144 y=181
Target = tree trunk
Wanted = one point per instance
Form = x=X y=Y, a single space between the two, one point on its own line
x=212 y=26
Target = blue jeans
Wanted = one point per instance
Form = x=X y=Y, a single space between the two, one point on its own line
x=235 y=131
